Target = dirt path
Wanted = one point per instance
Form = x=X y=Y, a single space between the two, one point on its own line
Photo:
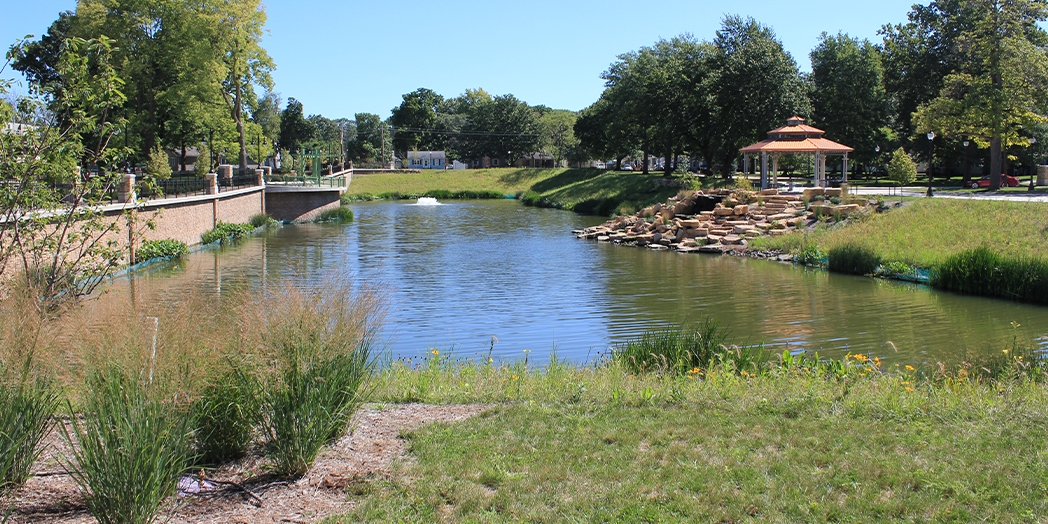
x=52 y=497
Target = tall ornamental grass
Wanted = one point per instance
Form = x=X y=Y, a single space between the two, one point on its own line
x=853 y=259
x=129 y=448
x=679 y=351
x=27 y=409
x=322 y=345
x=225 y=415
x=985 y=272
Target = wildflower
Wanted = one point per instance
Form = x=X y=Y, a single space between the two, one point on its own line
x=490 y=360
x=877 y=361
x=434 y=352
x=514 y=377
x=909 y=367
x=1006 y=352
x=909 y=389
x=905 y=383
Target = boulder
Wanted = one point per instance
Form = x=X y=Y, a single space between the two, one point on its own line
x=810 y=192
x=690 y=223
x=713 y=248
x=741 y=210
x=723 y=211
x=769 y=192
x=848 y=209
x=731 y=239
x=832 y=192
x=743 y=229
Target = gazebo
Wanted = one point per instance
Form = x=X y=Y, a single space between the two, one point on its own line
x=794 y=138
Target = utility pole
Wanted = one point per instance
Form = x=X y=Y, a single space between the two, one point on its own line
x=382 y=135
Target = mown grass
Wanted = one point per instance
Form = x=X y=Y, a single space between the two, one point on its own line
x=586 y=191
x=927 y=231
x=504 y=181
x=795 y=441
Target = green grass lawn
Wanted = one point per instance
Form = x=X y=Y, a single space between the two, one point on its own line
x=926 y=231
x=599 y=445
x=589 y=191
x=505 y=181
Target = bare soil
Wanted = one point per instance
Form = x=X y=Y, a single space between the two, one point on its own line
x=243 y=492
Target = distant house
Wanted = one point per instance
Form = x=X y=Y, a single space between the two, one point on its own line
x=174 y=157
x=426 y=160
x=17 y=129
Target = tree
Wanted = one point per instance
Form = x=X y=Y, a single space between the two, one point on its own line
x=1002 y=86
x=502 y=127
x=755 y=86
x=294 y=128
x=373 y=142
x=51 y=227
x=415 y=119
x=247 y=63
x=901 y=169
x=848 y=95
x=266 y=113
x=917 y=56
x=557 y=134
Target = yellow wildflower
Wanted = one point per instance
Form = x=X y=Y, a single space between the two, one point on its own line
x=909 y=368
x=909 y=389
x=434 y=352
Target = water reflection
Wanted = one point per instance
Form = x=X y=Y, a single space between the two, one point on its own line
x=460 y=273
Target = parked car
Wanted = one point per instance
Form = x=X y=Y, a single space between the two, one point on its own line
x=1006 y=181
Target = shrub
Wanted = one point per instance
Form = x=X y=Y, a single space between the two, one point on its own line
x=131 y=447
x=901 y=169
x=809 y=255
x=897 y=268
x=262 y=220
x=225 y=415
x=853 y=259
x=336 y=214
x=27 y=408
x=157 y=164
x=224 y=232
x=835 y=200
x=530 y=198
x=673 y=351
x=743 y=183
x=321 y=347
x=203 y=164
x=151 y=249
x=985 y=272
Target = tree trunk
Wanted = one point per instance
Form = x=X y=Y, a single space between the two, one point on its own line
x=238 y=109
x=645 y=163
x=182 y=157
x=995 y=162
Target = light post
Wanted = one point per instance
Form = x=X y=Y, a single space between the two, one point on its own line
x=931 y=153
x=967 y=173
x=876 y=175
x=1033 y=140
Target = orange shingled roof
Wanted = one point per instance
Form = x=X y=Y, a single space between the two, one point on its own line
x=807 y=145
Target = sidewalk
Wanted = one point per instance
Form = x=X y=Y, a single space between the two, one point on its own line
x=917 y=191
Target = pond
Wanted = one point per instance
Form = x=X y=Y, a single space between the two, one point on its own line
x=467 y=277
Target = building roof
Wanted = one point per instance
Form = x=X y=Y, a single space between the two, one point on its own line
x=796 y=137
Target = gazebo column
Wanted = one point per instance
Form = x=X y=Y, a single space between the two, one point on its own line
x=823 y=170
x=818 y=162
x=844 y=169
x=775 y=170
x=764 y=170
x=745 y=164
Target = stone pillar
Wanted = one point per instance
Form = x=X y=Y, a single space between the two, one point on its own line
x=211 y=184
x=225 y=172
x=260 y=177
x=126 y=190
x=1042 y=175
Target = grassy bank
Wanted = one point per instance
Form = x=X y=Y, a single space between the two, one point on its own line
x=587 y=191
x=787 y=443
x=927 y=231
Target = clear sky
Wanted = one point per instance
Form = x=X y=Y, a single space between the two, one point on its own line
x=343 y=57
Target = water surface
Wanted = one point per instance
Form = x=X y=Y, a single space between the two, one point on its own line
x=457 y=275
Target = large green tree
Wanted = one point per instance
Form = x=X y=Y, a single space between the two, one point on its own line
x=295 y=130
x=1000 y=90
x=502 y=127
x=416 y=122
x=848 y=96
x=755 y=86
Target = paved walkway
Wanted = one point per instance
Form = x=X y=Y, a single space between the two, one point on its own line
x=916 y=191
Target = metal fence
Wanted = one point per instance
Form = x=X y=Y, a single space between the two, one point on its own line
x=305 y=181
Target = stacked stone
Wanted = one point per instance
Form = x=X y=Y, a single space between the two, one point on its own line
x=741 y=216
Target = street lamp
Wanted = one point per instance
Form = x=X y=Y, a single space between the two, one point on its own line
x=876 y=174
x=1033 y=140
x=931 y=153
x=967 y=172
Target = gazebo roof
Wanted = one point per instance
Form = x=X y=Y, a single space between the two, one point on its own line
x=796 y=137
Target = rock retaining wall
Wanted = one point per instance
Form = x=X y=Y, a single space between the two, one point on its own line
x=681 y=224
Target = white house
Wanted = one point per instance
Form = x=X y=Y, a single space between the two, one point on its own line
x=426 y=160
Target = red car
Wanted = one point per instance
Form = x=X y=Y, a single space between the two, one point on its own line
x=1006 y=181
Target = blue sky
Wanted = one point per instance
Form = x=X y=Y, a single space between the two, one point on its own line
x=343 y=57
